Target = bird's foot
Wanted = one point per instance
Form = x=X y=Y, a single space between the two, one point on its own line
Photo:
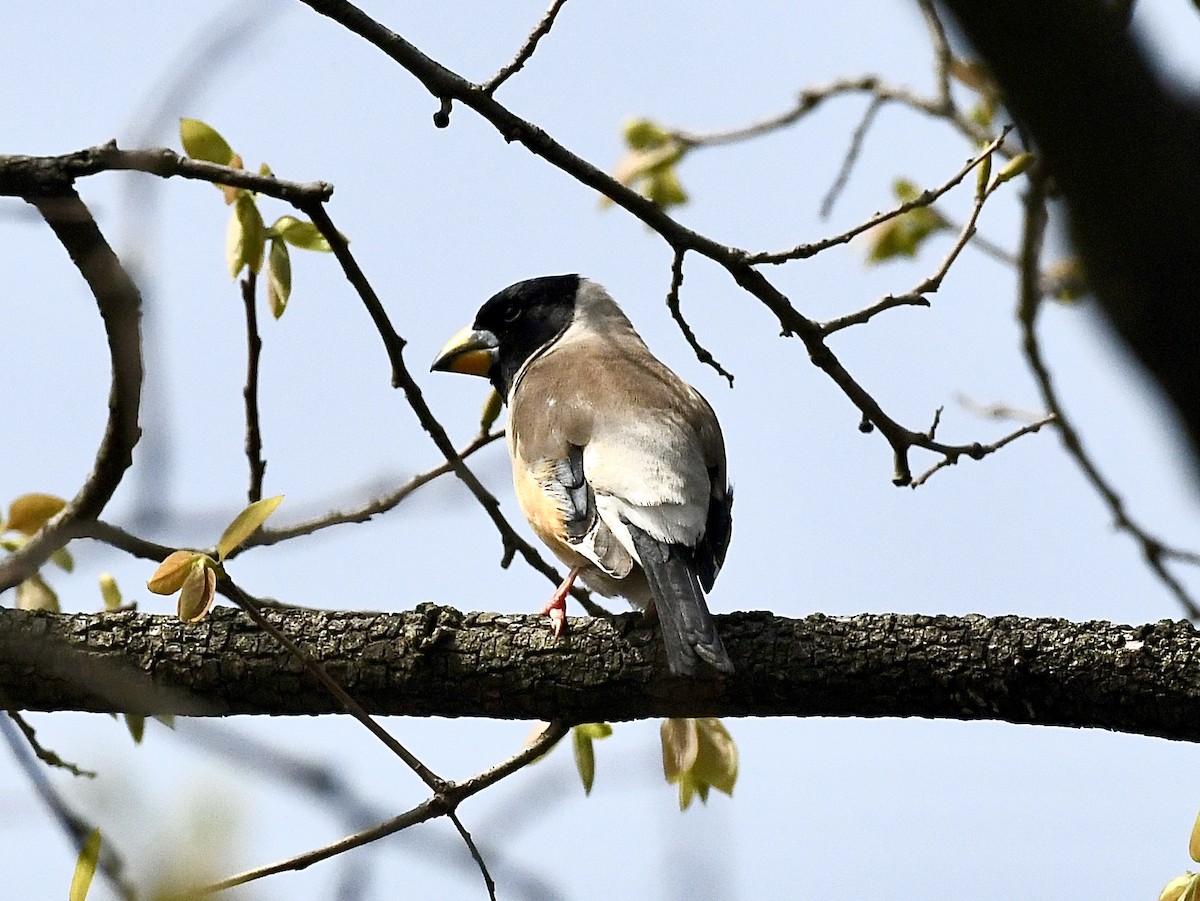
x=556 y=607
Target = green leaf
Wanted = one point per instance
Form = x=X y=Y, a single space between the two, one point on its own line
x=35 y=594
x=85 y=867
x=664 y=189
x=136 y=724
x=198 y=592
x=202 y=142
x=491 y=411
x=279 y=277
x=62 y=558
x=246 y=524
x=1014 y=167
x=585 y=755
x=30 y=512
x=110 y=592
x=642 y=134
x=698 y=755
x=245 y=237
x=652 y=172
x=301 y=234
x=903 y=235
x=173 y=572
x=905 y=191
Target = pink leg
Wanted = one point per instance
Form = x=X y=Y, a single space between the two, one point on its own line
x=556 y=607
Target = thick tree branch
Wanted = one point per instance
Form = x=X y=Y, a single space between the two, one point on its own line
x=435 y=661
x=121 y=309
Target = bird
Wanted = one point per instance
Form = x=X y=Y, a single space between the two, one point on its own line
x=618 y=464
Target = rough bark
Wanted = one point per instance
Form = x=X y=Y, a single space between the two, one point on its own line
x=435 y=661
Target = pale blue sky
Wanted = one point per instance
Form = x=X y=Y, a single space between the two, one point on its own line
x=440 y=220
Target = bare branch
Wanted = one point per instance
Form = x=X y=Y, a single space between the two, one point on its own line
x=523 y=55
x=441 y=804
x=851 y=157
x=44 y=754
x=701 y=352
x=23 y=176
x=120 y=309
x=979 y=451
x=926 y=198
x=258 y=466
x=111 y=864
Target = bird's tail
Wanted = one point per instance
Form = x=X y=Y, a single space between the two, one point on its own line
x=688 y=629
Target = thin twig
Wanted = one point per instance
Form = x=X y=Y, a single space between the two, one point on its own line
x=380 y=505
x=475 y=855
x=852 y=154
x=439 y=804
x=942 y=57
x=250 y=605
x=258 y=466
x=110 y=864
x=979 y=451
x=701 y=352
x=523 y=55
x=24 y=176
x=120 y=309
x=804 y=251
x=447 y=86
x=44 y=754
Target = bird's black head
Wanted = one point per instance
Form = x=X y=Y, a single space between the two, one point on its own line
x=524 y=318
x=510 y=328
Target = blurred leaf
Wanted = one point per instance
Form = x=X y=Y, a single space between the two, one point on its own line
x=136 y=724
x=35 y=594
x=491 y=411
x=301 y=234
x=167 y=719
x=1065 y=280
x=109 y=591
x=973 y=73
x=651 y=171
x=265 y=171
x=85 y=867
x=172 y=572
x=1014 y=167
x=904 y=190
x=643 y=134
x=62 y=558
x=202 y=142
x=198 y=592
x=585 y=756
x=983 y=112
x=903 y=235
x=29 y=512
x=231 y=193
x=663 y=188
x=246 y=524
x=279 y=277
x=246 y=237
x=698 y=755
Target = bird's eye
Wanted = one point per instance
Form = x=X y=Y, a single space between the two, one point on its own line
x=512 y=315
